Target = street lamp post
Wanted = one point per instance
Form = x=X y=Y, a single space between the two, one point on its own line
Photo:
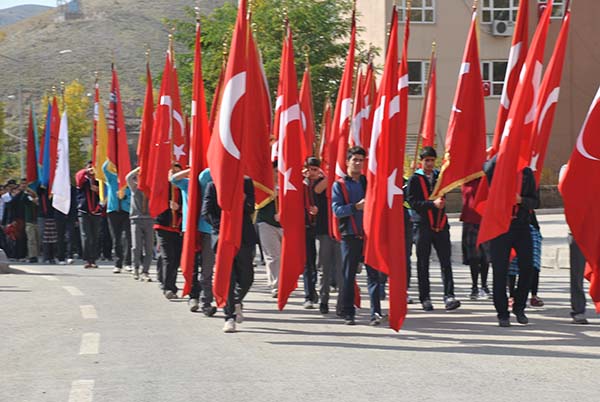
x=20 y=112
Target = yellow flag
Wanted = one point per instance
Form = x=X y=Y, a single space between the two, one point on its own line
x=101 y=149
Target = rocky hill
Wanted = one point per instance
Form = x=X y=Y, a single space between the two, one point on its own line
x=51 y=49
x=18 y=13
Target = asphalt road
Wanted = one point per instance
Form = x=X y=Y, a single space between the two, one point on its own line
x=69 y=334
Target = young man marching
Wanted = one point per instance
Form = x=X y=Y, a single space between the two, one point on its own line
x=433 y=230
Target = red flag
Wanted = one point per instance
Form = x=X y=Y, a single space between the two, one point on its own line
x=325 y=140
x=308 y=118
x=118 y=150
x=549 y=91
x=369 y=95
x=145 y=140
x=54 y=129
x=340 y=126
x=32 y=166
x=355 y=139
x=95 y=123
x=216 y=99
x=200 y=137
x=580 y=188
x=257 y=159
x=291 y=194
x=159 y=163
x=516 y=58
x=429 y=112
x=504 y=187
x=179 y=135
x=274 y=150
x=465 y=140
x=225 y=159
x=384 y=213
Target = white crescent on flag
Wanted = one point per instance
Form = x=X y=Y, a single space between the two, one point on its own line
x=286 y=117
x=346 y=111
x=234 y=90
x=580 y=145
x=513 y=58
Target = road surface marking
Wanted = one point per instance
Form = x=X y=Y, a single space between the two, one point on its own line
x=81 y=391
x=90 y=343
x=88 y=312
x=73 y=291
x=50 y=278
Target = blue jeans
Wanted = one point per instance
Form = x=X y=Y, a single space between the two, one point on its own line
x=352 y=252
x=375 y=284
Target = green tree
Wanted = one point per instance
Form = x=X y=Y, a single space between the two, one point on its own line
x=80 y=126
x=9 y=156
x=321 y=28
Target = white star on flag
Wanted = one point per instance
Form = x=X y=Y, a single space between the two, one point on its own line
x=392 y=188
x=178 y=151
x=287 y=185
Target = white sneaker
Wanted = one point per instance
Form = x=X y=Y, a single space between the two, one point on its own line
x=308 y=305
x=70 y=261
x=128 y=268
x=116 y=270
x=62 y=263
x=146 y=278
x=229 y=326
x=239 y=316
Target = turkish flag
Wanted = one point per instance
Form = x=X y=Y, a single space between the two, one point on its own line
x=580 y=188
x=384 y=213
x=548 y=99
x=257 y=159
x=291 y=187
x=276 y=117
x=179 y=136
x=32 y=166
x=308 y=118
x=516 y=58
x=225 y=156
x=369 y=95
x=200 y=136
x=340 y=126
x=465 y=139
x=504 y=187
x=145 y=139
x=357 y=115
x=159 y=164
x=429 y=112
x=216 y=99
x=118 y=150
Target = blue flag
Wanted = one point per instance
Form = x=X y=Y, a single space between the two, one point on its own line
x=45 y=168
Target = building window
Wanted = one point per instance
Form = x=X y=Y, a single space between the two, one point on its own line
x=558 y=8
x=417 y=77
x=499 y=10
x=421 y=11
x=493 y=73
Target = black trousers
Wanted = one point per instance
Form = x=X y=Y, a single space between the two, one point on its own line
x=441 y=242
x=120 y=231
x=310 y=269
x=61 y=241
x=242 y=277
x=519 y=238
x=352 y=253
x=577 y=264
x=170 y=244
x=89 y=226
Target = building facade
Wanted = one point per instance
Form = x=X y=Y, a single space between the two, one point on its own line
x=446 y=22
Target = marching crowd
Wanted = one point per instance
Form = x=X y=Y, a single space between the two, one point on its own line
x=121 y=230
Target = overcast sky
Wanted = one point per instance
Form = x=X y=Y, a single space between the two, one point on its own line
x=12 y=3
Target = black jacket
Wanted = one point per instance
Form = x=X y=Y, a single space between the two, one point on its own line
x=420 y=202
x=529 y=194
x=211 y=211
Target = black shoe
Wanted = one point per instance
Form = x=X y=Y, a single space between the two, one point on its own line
x=474 y=293
x=504 y=322
x=427 y=306
x=522 y=318
x=33 y=260
x=349 y=321
x=209 y=310
x=323 y=308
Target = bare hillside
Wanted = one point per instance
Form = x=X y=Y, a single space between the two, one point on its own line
x=52 y=49
x=18 y=13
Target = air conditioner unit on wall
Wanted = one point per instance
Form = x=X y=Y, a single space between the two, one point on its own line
x=502 y=28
